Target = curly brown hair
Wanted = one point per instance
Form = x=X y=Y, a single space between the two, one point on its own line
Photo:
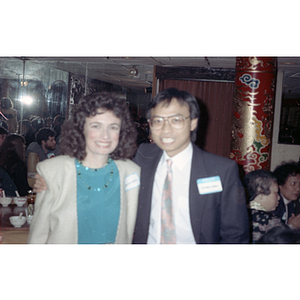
x=73 y=139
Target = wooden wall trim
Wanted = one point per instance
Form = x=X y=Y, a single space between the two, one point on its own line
x=194 y=73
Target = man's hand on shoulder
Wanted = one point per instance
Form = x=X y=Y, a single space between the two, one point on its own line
x=40 y=184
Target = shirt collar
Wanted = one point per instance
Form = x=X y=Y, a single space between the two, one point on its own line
x=286 y=201
x=182 y=158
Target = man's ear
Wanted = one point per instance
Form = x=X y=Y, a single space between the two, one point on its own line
x=194 y=123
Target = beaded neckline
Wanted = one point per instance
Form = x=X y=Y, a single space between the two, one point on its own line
x=98 y=189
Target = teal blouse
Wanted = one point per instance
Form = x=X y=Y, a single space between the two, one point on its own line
x=98 y=203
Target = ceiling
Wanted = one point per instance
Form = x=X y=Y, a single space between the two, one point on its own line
x=121 y=70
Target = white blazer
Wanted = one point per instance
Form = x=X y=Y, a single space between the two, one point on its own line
x=55 y=217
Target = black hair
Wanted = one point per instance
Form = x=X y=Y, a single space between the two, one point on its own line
x=286 y=169
x=184 y=98
x=43 y=134
x=280 y=235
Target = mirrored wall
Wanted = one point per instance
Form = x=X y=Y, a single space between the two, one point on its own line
x=41 y=91
x=35 y=90
x=289 y=132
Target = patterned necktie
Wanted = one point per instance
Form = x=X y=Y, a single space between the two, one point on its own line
x=167 y=218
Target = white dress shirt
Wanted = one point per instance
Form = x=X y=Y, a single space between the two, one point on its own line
x=181 y=168
x=285 y=215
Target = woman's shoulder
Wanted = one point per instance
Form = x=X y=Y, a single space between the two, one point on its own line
x=128 y=164
x=59 y=160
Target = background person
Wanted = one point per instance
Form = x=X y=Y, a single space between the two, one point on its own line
x=12 y=159
x=36 y=123
x=45 y=144
x=288 y=178
x=93 y=188
x=263 y=196
x=7 y=184
x=28 y=131
x=57 y=125
x=280 y=235
x=10 y=114
x=49 y=122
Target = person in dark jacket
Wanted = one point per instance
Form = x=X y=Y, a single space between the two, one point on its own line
x=12 y=160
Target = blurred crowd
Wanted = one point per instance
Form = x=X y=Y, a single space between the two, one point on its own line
x=35 y=134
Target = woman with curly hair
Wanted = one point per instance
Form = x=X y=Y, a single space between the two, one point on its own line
x=262 y=189
x=92 y=189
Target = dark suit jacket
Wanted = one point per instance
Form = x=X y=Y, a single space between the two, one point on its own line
x=293 y=208
x=215 y=218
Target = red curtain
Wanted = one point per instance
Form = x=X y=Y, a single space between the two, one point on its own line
x=215 y=100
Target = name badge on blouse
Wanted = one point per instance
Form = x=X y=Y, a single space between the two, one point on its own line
x=209 y=185
x=132 y=181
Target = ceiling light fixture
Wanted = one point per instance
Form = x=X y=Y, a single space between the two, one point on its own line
x=133 y=72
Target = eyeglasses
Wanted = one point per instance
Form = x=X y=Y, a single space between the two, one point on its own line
x=176 y=122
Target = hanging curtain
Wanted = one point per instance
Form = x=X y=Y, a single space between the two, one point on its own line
x=215 y=100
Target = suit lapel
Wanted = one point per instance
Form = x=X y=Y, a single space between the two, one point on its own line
x=197 y=201
x=145 y=197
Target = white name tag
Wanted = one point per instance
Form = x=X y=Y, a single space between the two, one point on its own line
x=209 y=185
x=132 y=181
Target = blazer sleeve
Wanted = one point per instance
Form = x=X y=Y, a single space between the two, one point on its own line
x=55 y=216
x=234 y=217
x=40 y=225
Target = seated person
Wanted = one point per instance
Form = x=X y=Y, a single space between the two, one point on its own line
x=34 y=123
x=280 y=235
x=45 y=144
x=288 y=178
x=12 y=159
x=57 y=124
x=25 y=129
x=262 y=189
x=7 y=184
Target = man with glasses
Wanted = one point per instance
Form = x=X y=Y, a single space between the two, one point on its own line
x=203 y=199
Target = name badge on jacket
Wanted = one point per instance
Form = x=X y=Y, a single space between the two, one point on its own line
x=209 y=185
x=132 y=181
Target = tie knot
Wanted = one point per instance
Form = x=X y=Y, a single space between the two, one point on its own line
x=169 y=163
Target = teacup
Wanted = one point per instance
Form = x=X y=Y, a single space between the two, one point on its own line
x=17 y=221
x=20 y=201
x=5 y=201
